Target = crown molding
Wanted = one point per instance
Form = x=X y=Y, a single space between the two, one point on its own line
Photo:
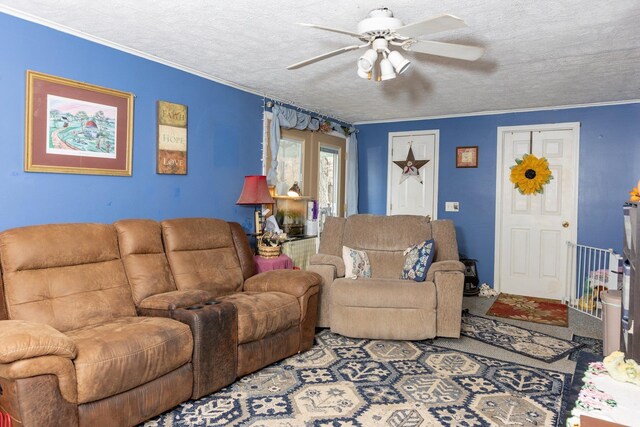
x=491 y=113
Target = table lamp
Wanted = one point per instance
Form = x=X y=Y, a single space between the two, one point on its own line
x=255 y=192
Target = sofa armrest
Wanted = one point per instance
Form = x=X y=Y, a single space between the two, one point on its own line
x=21 y=339
x=292 y=282
x=444 y=266
x=449 y=292
x=324 y=259
x=39 y=367
x=175 y=299
x=328 y=275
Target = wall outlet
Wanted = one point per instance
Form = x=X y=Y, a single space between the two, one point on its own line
x=452 y=207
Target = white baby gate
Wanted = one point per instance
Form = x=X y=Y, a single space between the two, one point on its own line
x=590 y=271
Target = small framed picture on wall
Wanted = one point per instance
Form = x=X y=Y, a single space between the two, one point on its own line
x=467 y=157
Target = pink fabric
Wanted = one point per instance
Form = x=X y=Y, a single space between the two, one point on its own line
x=282 y=262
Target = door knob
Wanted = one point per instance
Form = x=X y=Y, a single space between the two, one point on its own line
x=565 y=224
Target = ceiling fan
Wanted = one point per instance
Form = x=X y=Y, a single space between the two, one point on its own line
x=380 y=30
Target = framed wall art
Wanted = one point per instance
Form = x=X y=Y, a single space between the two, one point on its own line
x=467 y=157
x=75 y=127
x=172 y=139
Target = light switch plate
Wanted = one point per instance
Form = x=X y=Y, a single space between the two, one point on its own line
x=452 y=207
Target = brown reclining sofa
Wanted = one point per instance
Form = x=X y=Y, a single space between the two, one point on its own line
x=110 y=325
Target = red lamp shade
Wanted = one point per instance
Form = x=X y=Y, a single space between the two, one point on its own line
x=255 y=191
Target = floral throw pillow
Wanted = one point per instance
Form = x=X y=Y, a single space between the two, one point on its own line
x=417 y=261
x=356 y=263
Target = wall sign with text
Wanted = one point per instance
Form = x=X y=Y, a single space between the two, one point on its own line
x=172 y=138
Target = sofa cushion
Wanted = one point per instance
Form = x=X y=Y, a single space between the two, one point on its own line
x=385 y=233
x=175 y=299
x=331 y=242
x=263 y=313
x=356 y=263
x=117 y=356
x=293 y=282
x=417 y=261
x=202 y=255
x=385 y=238
x=383 y=293
x=68 y=276
x=142 y=251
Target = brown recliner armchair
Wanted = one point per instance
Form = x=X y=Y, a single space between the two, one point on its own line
x=210 y=259
x=385 y=306
x=73 y=351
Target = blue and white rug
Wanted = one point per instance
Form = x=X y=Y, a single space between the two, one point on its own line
x=357 y=382
x=514 y=338
x=589 y=345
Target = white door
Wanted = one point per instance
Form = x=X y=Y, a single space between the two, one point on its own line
x=532 y=230
x=414 y=194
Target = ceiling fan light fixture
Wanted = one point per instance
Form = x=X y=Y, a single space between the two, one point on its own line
x=386 y=70
x=399 y=62
x=364 y=74
x=367 y=60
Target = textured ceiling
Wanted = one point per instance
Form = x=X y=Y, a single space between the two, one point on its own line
x=538 y=53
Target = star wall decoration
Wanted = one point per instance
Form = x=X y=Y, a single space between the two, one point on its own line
x=410 y=167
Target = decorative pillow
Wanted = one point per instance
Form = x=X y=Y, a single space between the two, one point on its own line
x=418 y=260
x=356 y=263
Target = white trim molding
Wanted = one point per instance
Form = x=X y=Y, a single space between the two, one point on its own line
x=496 y=112
x=501 y=131
x=436 y=163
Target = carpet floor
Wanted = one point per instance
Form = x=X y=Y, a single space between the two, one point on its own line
x=357 y=382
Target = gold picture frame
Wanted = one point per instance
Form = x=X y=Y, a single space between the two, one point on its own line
x=77 y=128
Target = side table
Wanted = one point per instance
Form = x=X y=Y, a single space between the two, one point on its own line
x=282 y=262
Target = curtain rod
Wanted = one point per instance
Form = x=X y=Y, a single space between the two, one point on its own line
x=271 y=102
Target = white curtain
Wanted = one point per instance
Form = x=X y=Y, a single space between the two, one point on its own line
x=291 y=119
x=288 y=119
x=352 y=173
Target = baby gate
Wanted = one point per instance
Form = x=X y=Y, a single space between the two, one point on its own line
x=591 y=271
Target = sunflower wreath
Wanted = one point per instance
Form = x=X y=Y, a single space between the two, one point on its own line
x=530 y=174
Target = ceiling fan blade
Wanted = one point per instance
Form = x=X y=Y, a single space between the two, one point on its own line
x=323 y=56
x=449 y=50
x=333 y=30
x=431 y=26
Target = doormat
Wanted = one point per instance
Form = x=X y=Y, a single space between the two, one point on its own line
x=531 y=309
x=516 y=339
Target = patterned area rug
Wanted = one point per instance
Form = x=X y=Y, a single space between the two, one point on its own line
x=589 y=345
x=531 y=309
x=356 y=382
x=519 y=340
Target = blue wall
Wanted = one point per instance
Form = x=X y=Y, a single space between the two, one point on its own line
x=224 y=137
x=609 y=168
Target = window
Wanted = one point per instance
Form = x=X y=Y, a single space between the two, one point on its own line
x=290 y=164
x=317 y=162
x=329 y=182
